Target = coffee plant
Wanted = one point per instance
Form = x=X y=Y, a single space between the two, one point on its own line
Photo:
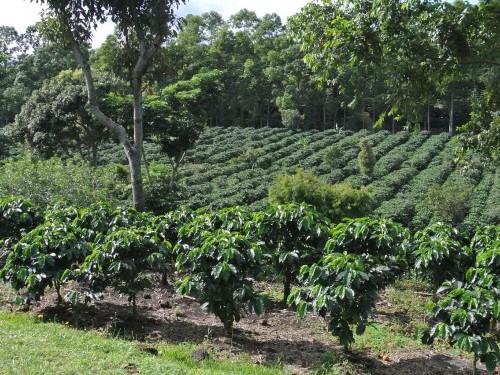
x=466 y=315
x=218 y=267
x=363 y=257
x=124 y=260
x=296 y=233
x=441 y=253
x=17 y=217
x=48 y=256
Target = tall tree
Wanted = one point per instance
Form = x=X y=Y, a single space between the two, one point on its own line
x=414 y=52
x=54 y=119
x=145 y=25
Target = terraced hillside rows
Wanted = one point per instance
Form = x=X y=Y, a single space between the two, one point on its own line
x=217 y=173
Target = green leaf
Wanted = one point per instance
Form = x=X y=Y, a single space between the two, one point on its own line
x=302 y=308
x=464 y=342
x=491 y=361
x=360 y=329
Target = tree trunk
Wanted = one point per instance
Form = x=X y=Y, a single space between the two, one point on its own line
x=146 y=164
x=228 y=325
x=134 y=305
x=176 y=163
x=95 y=150
x=173 y=176
x=393 y=124
x=134 y=162
x=429 y=116
x=345 y=117
x=452 y=113
x=133 y=150
x=58 y=291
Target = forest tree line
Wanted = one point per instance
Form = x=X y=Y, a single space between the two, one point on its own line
x=250 y=72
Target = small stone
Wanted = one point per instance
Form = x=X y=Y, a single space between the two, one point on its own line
x=265 y=323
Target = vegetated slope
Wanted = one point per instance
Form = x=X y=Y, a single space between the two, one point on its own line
x=219 y=173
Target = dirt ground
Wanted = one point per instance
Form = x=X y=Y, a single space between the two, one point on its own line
x=277 y=336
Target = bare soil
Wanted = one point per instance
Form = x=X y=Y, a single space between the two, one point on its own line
x=278 y=336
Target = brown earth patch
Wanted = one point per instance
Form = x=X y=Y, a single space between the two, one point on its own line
x=278 y=336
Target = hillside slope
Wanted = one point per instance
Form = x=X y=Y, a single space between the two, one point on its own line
x=236 y=166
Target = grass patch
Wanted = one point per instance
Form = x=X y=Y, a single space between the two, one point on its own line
x=382 y=338
x=32 y=347
x=335 y=363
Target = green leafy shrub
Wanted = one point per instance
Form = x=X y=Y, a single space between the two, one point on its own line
x=103 y=218
x=366 y=157
x=363 y=257
x=296 y=233
x=123 y=259
x=48 y=256
x=47 y=182
x=449 y=202
x=441 y=253
x=466 y=315
x=250 y=156
x=486 y=245
x=17 y=217
x=334 y=201
x=160 y=195
x=218 y=268
x=167 y=228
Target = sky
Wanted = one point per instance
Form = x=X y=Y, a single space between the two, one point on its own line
x=23 y=13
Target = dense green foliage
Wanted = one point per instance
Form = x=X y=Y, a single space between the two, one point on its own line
x=397 y=57
x=362 y=257
x=404 y=183
x=441 y=254
x=426 y=65
x=73 y=181
x=17 y=217
x=219 y=266
x=414 y=180
x=470 y=309
x=123 y=258
x=337 y=269
x=366 y=158
x=334 y=201
x=45 y=257
x=296 y=233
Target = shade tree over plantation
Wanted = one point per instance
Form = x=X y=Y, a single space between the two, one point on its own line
x=409 y=54
x=146 y=25
x=54 y=120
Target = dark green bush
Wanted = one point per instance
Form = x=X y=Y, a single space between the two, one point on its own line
x=334 y=201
